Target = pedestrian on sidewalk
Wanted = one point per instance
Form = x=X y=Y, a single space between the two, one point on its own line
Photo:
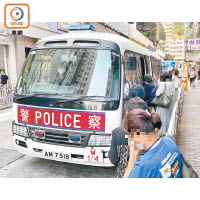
x=4 y=86
x=161 y=158
x=4 y=78
x=176 y=82
x=199 y=76
x=192 y=78
x=168 y=87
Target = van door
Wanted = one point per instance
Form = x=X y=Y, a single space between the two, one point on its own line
x=143 y=66
x=148 y=65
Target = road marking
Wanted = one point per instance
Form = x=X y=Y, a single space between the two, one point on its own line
x=6 y=116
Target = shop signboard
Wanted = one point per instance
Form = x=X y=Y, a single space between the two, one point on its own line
x=192 y=56
x=192 y=44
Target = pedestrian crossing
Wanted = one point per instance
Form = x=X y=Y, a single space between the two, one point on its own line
x=6 y=116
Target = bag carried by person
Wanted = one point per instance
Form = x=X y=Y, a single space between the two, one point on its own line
x=163 y=100
x=187 y=171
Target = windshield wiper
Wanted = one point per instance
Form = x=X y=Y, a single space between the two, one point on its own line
x=25 y=96
x=85 y=98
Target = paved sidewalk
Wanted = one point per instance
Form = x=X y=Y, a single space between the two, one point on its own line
x=188 y=138
x=5 y=106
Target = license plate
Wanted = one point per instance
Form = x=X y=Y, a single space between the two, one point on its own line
x=93 y=155
x=56 y=155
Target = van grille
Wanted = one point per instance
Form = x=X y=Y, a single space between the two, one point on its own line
x=64 y=138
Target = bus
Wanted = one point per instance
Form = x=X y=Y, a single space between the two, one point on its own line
x=70 y=95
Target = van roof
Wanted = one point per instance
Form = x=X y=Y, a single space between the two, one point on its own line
x=123 y=42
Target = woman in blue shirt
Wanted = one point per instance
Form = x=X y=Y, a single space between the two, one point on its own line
x=161 y=159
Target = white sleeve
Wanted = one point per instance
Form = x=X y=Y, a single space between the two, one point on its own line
x=126 y=90
x=160 y=89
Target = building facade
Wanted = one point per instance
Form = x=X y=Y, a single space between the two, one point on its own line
x=176 y=49
x=172 y=46
x=152 y=30
x=169 y=30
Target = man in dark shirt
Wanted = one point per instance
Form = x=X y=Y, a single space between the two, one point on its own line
x=4 y=78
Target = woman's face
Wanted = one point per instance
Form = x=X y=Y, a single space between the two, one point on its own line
x=140 y=137
x=137 y=137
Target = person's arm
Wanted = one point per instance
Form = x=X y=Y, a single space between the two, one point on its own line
x=147 y=92
x=160 y=89
x=134 y=152
x=118 y=138
x=155 y=80
x=113 y=154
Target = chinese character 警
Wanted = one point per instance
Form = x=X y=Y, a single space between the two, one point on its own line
x=24 y=115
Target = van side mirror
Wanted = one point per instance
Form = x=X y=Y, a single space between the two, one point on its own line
x=131 y=63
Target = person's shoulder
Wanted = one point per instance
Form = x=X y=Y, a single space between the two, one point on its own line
x=118 y=134
x=167 y=139
x=139 y=87
x=168 y=142
x=118 y=130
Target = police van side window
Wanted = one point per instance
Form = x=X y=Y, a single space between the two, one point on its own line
x=132 y=70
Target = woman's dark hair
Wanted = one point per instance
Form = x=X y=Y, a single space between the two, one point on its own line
x=148 y=78
x=176 y=72
x=167 y=76
x=139 y=120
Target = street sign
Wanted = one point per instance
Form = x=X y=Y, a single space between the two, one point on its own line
x=167 y=66
x=168 y=63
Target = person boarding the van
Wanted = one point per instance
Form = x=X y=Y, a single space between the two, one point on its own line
x=119 y=150
x=150 y=89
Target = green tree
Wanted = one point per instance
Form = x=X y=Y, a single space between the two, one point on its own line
x=179 y=30
x=147 y=34
x=168 y=57
x=198 y=31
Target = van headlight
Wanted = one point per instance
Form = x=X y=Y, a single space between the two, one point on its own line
x=99 y=140
x=20 y=130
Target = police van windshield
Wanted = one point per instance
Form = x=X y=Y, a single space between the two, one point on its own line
x=71 y=73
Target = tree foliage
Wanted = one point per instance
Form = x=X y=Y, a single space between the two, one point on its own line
x=168 y=57
x=147 y=34
x=179 y=30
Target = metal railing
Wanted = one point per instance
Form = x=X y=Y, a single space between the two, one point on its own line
x=6 y=94
x=176 y=115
